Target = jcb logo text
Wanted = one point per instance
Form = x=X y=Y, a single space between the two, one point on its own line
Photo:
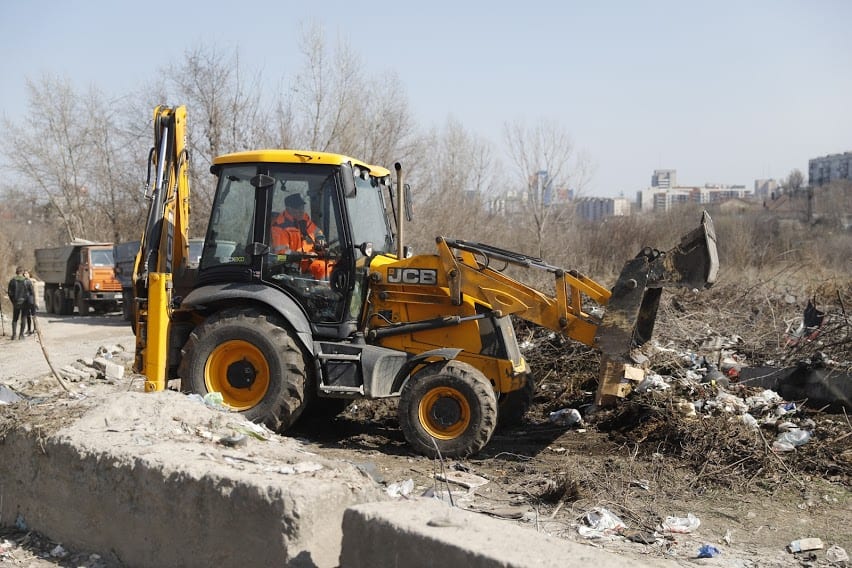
x=427 y=277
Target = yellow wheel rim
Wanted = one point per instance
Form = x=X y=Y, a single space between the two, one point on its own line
x=444 y=413
x=239 y=371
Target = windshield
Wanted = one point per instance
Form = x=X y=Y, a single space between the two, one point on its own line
x=102 y=257
x=368 y=215
x=231 y=219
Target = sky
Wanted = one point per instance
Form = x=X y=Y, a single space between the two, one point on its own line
x=722 y=91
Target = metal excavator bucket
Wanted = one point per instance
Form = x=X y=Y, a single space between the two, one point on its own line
x=693 y=263
x=632 y=308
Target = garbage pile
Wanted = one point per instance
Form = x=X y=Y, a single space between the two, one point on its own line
x=765 y=398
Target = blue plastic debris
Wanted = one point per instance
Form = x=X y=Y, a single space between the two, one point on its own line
x=708 y=551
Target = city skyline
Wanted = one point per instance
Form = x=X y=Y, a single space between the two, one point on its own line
x=723 y=92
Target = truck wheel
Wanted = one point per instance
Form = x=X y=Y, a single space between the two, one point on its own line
x=57 y=301
x=253 y=360
x=64 y=306
x=67 y=307
x=82 y=303
x=514 y=405
x=448 y=407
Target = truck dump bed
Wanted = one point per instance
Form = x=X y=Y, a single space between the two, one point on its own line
x=57 y=265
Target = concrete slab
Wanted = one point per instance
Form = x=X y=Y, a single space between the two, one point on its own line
x=146 y=480
x=425 y=533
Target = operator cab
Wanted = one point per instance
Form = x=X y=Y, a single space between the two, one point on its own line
x=301 y=223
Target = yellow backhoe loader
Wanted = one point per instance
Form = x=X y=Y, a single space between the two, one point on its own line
x=279 y=327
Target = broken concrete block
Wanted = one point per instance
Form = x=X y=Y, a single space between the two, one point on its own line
x=244 y=515
x=426 y=532
x=87 y=371
x=110 y=370
x=70 y=373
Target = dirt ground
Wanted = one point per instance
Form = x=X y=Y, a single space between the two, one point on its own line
x=678 y=452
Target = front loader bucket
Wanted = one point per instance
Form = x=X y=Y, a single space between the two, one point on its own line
x=632 y=308
x=693 y=263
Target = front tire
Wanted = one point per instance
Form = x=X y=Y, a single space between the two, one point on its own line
x=448 y=408
x=253 y=360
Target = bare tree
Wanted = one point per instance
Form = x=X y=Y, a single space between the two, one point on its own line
x=794 y=182
x=51 y=148
x=226 y=114
x=544 y=160
x=452 y=191
x=325 y=93
x=335 y=106
x=114 y=169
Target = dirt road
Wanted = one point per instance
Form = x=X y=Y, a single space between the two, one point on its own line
x=65 y=339
x=543 y=475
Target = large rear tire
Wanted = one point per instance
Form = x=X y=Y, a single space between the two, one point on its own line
x=252 y=359
x=448 y=408
x=58 y=302
x=64 y=306
x=514 y=405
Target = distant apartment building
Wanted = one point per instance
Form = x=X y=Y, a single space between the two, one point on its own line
x=664 y=179
x=541 y=190
x=661 y=199
x=599 y=208
x=508 y=203
x=827 y=169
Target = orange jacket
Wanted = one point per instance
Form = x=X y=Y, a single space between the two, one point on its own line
x=291 y=233
x=300 y=235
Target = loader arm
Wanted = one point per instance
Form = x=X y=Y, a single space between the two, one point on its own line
x=630 y=306
x=468 y=269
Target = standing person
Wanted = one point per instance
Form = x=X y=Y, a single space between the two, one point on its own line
x=19 y=290
x=31 y=305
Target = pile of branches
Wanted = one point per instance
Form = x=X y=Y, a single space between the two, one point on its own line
x=722 y=448
x=762 y=325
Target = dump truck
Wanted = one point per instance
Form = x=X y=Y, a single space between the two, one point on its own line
x=280 y=330
x=79 y=275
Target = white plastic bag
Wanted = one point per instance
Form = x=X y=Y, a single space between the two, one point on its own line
x=681 y=525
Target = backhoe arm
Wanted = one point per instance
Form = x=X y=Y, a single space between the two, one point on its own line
x=164 y=246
